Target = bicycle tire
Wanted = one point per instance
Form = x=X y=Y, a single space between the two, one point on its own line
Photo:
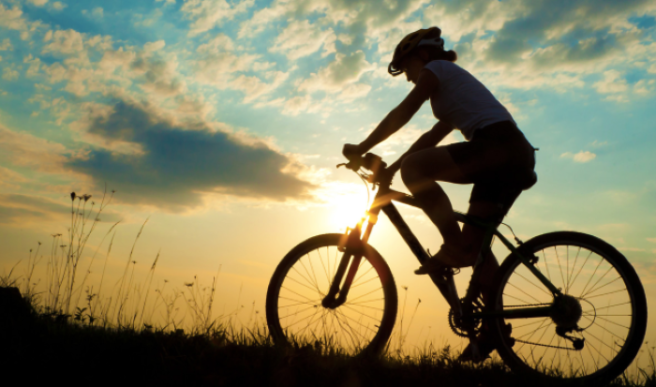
x=613 y=304
x=363 y=324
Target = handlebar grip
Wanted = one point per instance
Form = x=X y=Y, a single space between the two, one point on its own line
x=373 y=162
x=369 y=161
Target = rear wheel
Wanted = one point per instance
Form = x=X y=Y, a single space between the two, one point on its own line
x=604 y=298
x=294 y=309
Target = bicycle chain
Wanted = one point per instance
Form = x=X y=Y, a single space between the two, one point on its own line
x=530 y=342
x=545 y=345
x=457 y=330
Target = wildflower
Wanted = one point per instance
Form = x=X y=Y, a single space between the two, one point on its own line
x=72 y=196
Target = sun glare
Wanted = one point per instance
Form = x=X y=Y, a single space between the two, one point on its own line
x=346 y=208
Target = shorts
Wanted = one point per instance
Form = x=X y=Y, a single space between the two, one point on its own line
x=499 y=161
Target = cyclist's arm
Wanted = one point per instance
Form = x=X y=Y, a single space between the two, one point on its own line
x=400 y=115
x=427 y=140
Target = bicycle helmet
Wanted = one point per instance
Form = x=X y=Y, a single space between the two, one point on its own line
x=424 y=37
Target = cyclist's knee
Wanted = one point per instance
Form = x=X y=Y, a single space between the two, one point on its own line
x=409 y=173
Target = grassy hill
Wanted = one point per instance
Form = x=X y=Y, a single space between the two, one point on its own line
x=49 y=348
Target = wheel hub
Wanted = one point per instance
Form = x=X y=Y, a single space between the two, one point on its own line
x=566 y=311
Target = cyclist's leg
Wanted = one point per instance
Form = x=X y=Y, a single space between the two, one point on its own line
x=419 y=172
x=473 y=237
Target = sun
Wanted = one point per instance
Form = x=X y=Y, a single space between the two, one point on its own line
x=347 y=208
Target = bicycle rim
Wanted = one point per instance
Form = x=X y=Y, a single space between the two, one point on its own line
x=295 y=313
x=612 y=300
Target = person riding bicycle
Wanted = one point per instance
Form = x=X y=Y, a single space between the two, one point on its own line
x=496 y=158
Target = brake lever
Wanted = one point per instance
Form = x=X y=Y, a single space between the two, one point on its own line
x=350 y=165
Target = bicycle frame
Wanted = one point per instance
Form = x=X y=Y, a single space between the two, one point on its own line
x=354 y=240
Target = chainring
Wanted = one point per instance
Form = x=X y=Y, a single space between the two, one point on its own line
x=467 y=325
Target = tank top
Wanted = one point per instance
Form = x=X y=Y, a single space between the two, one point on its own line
x=462 y=101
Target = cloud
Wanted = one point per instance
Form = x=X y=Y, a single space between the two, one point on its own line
x=26 y=150
x=543 y=44
x=586 y=25
x=9 y=74
x=10 y=180
x=611 y=83
x=461 y=18
x=6 y=45
x=217 y=59
x=584 y=156
x=371 y=18
x=581 y=157
x=253 y=88
x=154 y=46
x=218 y=64
x=19 y=209
x=58 y=6
x=98 y=12
x=38 y=3
x=344 y=70
x=160 y=76
x=207 y=14
x=296 y=105
x=644 y=86
x=176 y=165
x=259 y=21
x=12 y=19
x=63 y=42
x=150 y=69
x=300 y=38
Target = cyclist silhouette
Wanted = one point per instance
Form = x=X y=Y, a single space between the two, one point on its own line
x=496 y=158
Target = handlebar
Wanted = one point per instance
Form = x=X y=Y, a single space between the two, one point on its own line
x=369 y=161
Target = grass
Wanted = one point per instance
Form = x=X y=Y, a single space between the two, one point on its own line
x=46 y=349
x=63 y=329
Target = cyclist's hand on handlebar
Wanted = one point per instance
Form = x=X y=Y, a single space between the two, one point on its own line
x=351 y=150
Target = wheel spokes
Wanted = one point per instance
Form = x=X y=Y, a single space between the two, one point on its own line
x=352 y=325
x=604 y=323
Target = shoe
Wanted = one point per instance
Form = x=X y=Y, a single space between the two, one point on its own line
x=486 y=345
x=438 y=261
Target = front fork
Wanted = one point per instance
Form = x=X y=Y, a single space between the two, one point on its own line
x=352 y=245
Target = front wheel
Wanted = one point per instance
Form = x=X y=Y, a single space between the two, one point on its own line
x=611 y=316
x=294 y=309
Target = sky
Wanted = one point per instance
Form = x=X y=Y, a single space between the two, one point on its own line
x=221 y=122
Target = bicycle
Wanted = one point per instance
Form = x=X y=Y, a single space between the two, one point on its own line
x=578 y=306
